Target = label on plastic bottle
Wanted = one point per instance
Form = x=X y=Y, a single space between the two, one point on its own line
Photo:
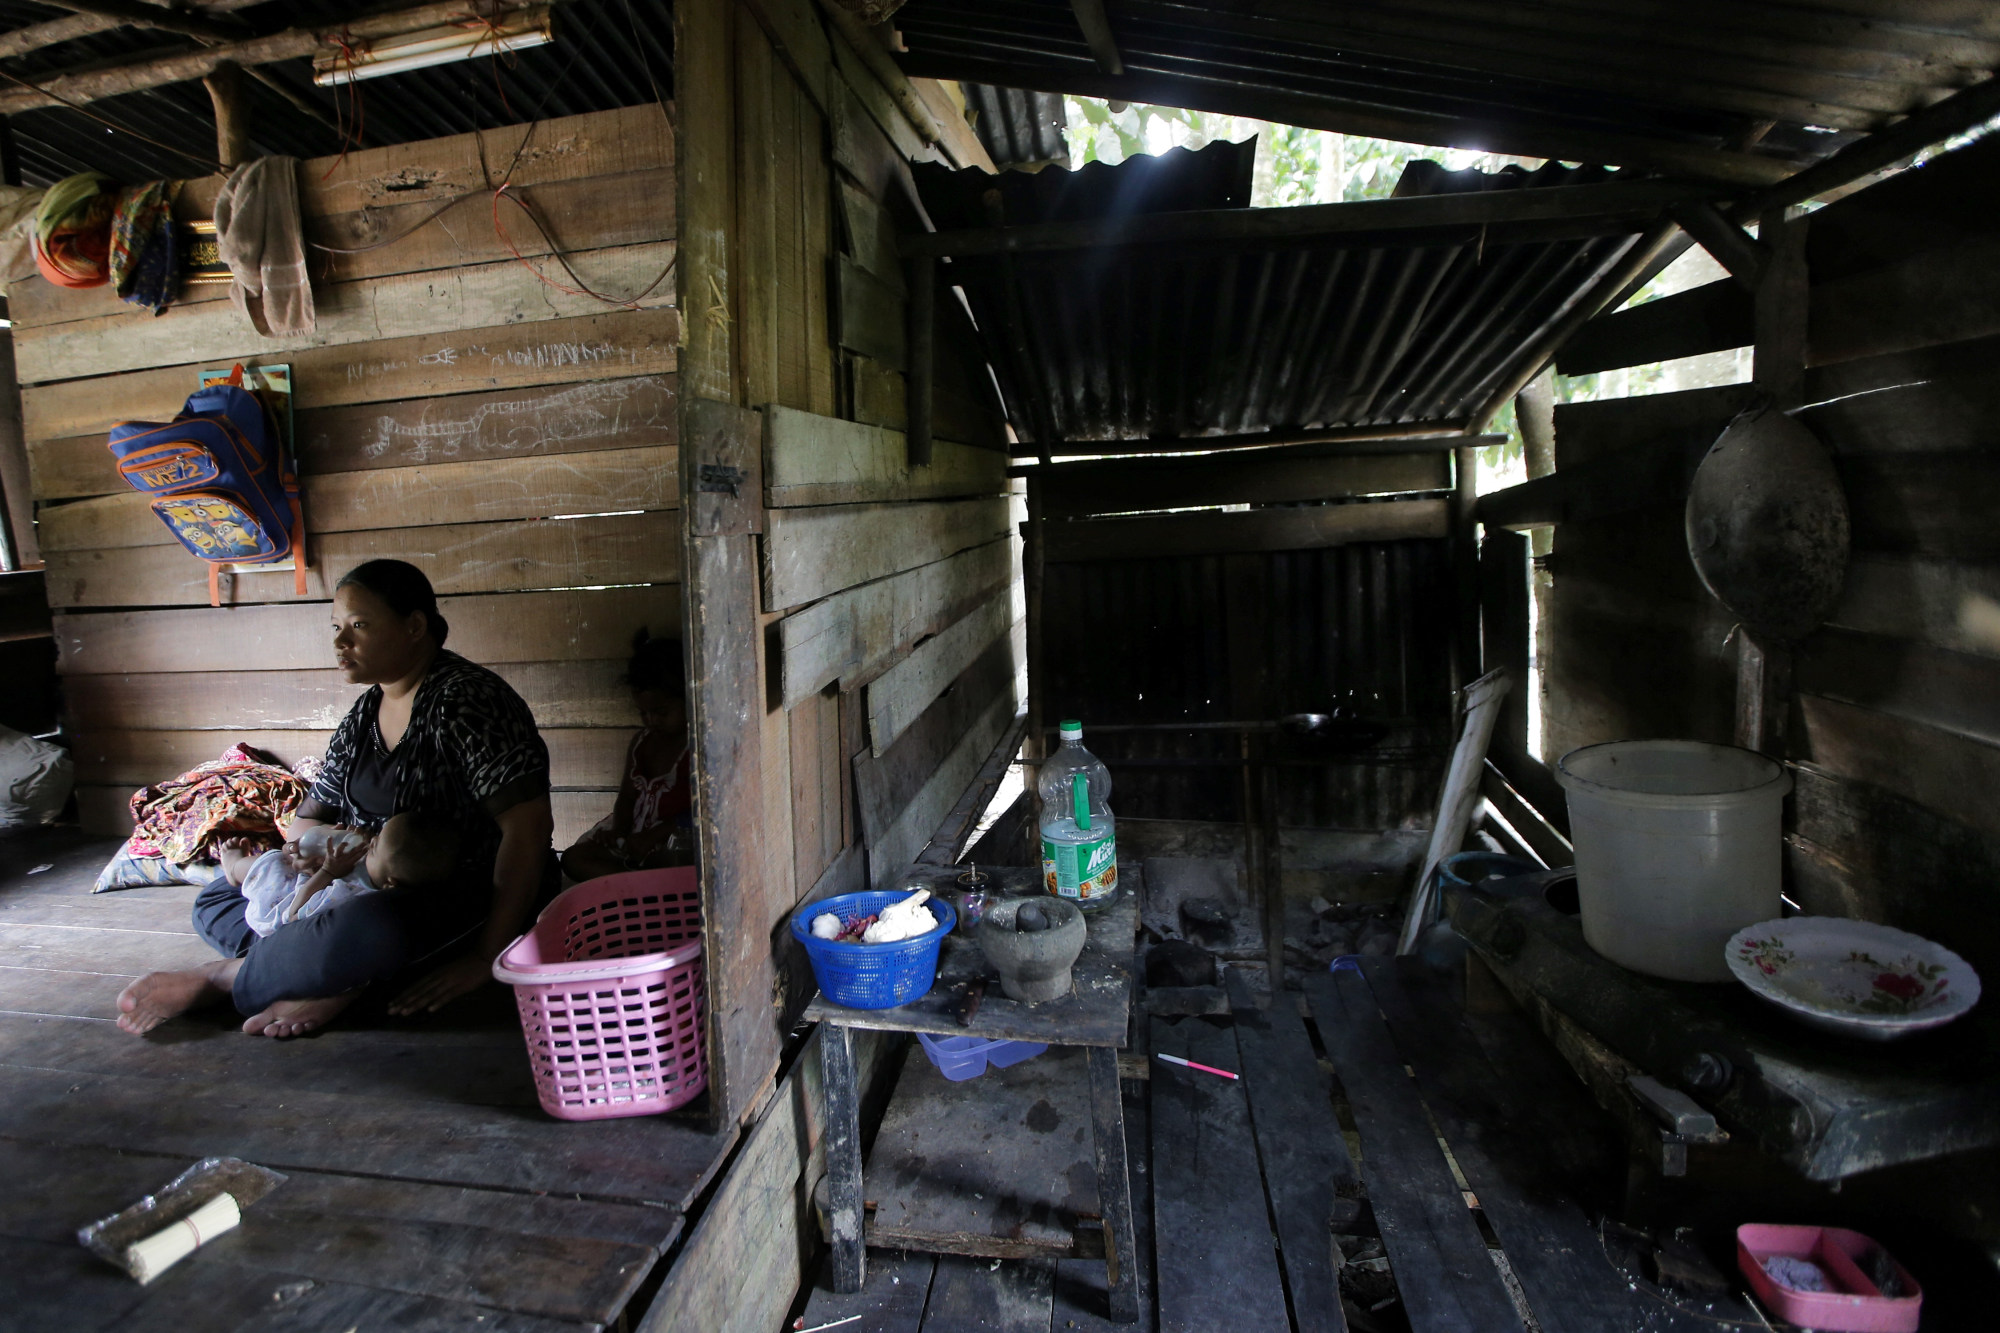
x=1081 y=871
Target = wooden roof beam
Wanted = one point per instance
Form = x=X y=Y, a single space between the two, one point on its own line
x=134 y=14
x=55 y=32
x=1690 y=161
x=1728 y=244
x=1398 y=438
x=184 y=67
x=1090 y=17
x=1508 y=217
x=1963 y=110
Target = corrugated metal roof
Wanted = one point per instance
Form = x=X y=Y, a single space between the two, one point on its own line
x=602 y=57
x=1581 y=77
x=1185 y=341
x=1018 y=128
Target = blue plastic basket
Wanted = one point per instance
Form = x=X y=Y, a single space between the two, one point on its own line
x=961 y=1058
x=871 y=976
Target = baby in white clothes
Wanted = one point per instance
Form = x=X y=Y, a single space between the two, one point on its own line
x=308 y=877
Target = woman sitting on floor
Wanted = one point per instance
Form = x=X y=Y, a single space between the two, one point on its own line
x=436 y=734
x=649 y=826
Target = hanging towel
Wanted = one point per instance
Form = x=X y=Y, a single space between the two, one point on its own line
x=257 y=231
x=73 y=231
x=145 y=265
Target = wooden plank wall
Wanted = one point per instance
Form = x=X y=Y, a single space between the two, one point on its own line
x=850 y=628
x=515 y=440
x=1893 y=724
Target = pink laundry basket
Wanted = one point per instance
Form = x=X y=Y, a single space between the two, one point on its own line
x=609 y=983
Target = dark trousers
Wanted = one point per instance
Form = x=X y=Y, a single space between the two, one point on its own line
x=371 y=938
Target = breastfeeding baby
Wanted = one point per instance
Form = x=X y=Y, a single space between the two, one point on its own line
x=329 y=866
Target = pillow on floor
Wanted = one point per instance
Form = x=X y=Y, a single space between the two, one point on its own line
x=127 y=871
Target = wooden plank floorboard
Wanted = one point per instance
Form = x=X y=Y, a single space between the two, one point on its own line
x=1306 y=1166
x=47 y=993
x=50 y=1285
x=1080 y=1298
x=1519 y=1147
x=164 y=911
x=1217 y=1267
x=642 y=1159
x=486 y=1068
x=511 y=1252
x=999 y=1165
x=110 y=950
x=1447 y=1281
x=987 y=1296
x=427 y=1189
x=899 y=1285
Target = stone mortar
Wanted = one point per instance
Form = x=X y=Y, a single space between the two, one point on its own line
x=1034 y=965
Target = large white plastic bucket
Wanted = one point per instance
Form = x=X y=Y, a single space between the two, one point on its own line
x=1678 y=847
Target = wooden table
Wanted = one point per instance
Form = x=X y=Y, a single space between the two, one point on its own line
x=1095 y=1016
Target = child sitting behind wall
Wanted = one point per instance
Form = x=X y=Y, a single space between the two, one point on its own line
x=413 y=852
x=650 y=826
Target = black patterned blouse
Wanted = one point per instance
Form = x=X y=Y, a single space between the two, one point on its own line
x=471 y=753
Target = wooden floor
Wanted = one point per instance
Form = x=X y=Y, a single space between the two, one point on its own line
x=1468 y=1207
x=426 y=1188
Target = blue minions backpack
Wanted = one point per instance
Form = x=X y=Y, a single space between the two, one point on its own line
x=220 y=480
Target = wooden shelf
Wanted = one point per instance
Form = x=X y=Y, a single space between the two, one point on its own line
x=998 y=1165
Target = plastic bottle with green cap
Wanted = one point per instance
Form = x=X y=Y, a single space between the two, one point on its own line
x=1079 y=842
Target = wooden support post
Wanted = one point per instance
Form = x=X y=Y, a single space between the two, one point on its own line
x=846 y=1219
x=1780 y=367
x=1465 y=565
x=1535 y=414
x=17 y=504
x=1270 y=845
x=1763 y=693
x=921 y=312
x=232 y=114
x=1764 y=667
x=1032 y=573
x=1114 y=1185
x=1504 y=624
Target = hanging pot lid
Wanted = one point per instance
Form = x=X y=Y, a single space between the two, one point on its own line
x=1767 y=525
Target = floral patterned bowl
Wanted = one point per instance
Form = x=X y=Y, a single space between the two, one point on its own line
x=1853 y=977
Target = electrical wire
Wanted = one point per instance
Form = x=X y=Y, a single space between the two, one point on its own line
x=506 y=190
x=347 y=55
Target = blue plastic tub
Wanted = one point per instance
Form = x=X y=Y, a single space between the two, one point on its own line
x=961 y=1058
x=1469 y=868
x=871 y=976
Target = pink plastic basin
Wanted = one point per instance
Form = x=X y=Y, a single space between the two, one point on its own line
x=1853 y=1305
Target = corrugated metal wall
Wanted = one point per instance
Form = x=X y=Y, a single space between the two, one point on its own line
x=1204 y=639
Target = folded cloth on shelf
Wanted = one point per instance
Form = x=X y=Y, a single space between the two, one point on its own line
x=259 y=236
x=73 y=231
x=144 y=260
x=244 y=793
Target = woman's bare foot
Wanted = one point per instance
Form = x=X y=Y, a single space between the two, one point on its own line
x=295 y=1018
x=158 y=996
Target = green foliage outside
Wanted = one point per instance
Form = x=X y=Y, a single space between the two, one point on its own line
x=1294 y=165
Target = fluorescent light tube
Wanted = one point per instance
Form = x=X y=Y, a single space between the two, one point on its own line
x=518 y=31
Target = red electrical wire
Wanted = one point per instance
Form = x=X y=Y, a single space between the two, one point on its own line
x=348 y=57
